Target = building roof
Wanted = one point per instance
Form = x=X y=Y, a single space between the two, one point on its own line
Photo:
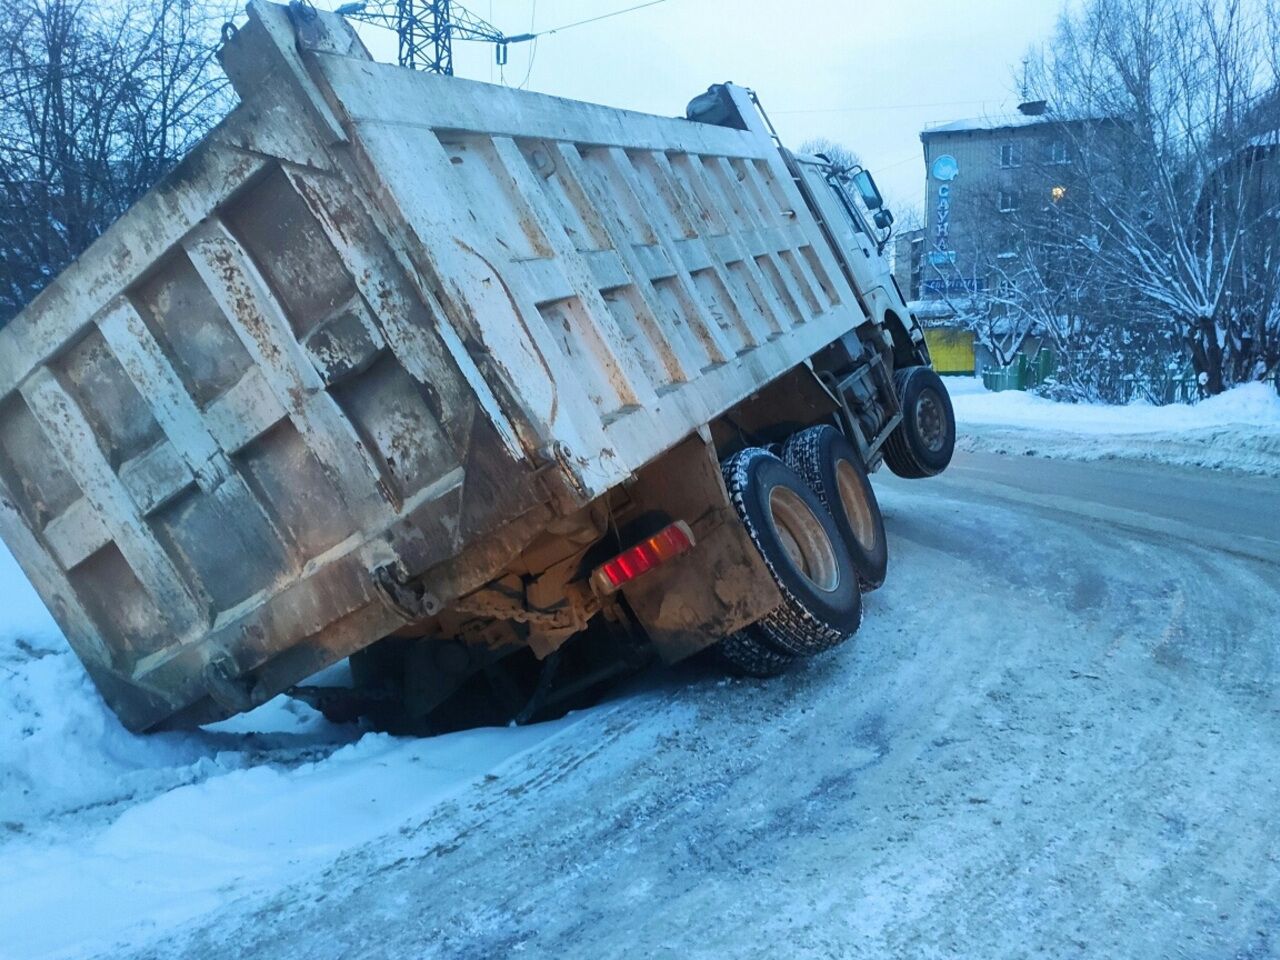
x=1002 y=121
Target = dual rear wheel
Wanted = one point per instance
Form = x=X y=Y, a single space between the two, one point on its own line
x=813 y=516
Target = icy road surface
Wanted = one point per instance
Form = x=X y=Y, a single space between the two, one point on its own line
x=1058 y=734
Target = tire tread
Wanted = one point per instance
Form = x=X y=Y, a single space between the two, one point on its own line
x=897 y=450
x=804 y=454
x=744 y=653
x=791 y=626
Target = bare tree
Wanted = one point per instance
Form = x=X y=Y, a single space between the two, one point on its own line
x=97 y=102
x=1177 y=218
x=991 y=278
x=908 y=218
x=1106 y=347
x=840 y=156
x=1027 y=281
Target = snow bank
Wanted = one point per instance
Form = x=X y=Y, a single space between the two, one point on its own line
x=193 y=849
x=62 y=751
x=60 y=748
x=107 y=837
x=1238 y=430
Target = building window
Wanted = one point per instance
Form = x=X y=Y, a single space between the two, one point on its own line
x=1057 y=152
x=1008 y=201
x=1010 y=154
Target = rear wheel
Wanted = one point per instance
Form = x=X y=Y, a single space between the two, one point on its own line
x=804 y=551
x=832 y=467
x=922 y=444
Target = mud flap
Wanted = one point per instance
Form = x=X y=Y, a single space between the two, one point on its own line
x=721 y=585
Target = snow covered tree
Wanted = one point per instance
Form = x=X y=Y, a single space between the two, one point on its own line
x=97 y=101
x=1035 y=284
x=1177 y=218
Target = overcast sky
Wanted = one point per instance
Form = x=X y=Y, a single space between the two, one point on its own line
x=868 y=73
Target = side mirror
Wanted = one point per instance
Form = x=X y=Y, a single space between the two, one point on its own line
x=884 y=219
x=868 y=190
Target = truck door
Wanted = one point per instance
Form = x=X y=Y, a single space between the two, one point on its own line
x=849 y=232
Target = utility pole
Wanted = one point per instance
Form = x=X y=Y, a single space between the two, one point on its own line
x=427 y=29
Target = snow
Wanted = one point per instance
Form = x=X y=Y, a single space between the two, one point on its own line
x=1002 y=121
x=188 y=850
x=1237 y=430
x=122 y=837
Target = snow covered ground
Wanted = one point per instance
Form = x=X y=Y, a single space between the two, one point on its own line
x=107 y=837
x=1239 y=430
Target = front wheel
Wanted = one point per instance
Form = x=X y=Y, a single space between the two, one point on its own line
x=922 y=444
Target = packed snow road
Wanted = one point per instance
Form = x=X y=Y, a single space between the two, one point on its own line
x=1057 y=734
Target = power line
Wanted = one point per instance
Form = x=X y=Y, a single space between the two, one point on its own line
x=887 y=106
x=533 y=49
x=918 y=155
x=579 y=23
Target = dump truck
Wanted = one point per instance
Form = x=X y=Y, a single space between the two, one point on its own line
x=494 y=394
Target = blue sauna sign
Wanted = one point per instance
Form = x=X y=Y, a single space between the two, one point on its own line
x=944 y=170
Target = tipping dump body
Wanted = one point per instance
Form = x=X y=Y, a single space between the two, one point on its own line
x=377 y=319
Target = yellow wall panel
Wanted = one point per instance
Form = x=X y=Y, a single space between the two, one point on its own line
x=951 y=350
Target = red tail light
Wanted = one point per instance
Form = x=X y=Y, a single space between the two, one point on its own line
x=666 y=544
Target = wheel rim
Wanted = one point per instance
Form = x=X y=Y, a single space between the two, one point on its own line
x=804 y=539
x=856 y=507
x=931 y=422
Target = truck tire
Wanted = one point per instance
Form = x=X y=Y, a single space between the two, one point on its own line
x=832 y=467
x=799 y=543
x=748 y=655
x=922 y=444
